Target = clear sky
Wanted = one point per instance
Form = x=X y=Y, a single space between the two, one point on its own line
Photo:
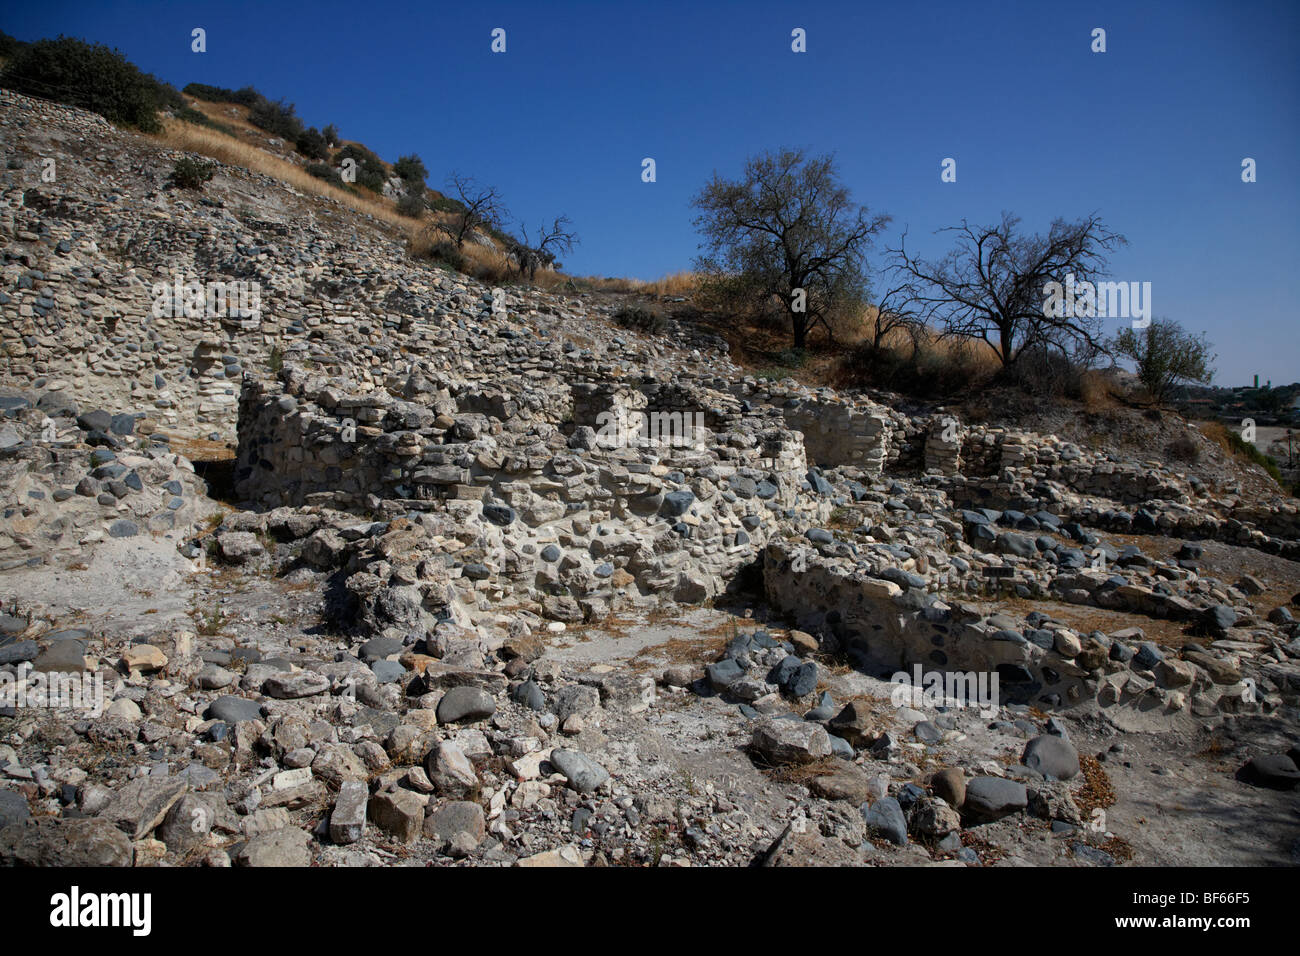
x=1151 y=134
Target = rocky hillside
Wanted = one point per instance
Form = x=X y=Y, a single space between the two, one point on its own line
x=446 y=604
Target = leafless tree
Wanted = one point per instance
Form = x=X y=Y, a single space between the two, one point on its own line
x=896 y=312
x=541 y=248
x=991 y=286
x=482 y=207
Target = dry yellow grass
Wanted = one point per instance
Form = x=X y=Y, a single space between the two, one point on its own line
x=177 y=134
x=682 y=283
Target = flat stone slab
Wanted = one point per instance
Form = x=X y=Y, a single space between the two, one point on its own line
x=139 y=806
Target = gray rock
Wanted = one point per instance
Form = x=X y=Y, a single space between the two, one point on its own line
x=400 y=814
x=62 y=657
x=18 y=652
x=140 y=805
x=991 y=798
x=574 y=699
x=294 y=686
x=583 y=773
x=791 y=741
x=13 y=808
x=464 y=705
x=1053 y=757
x=287 y=846
x=886 y=818
x=450 y=771
x=231 y=710
x=457 y=827
x=65 y=842
x=187 y=823
x=348 y=818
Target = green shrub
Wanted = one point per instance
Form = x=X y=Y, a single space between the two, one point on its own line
x=331 y=134
x=92 y=77
x=277 y=118
x=1184 y=448
x=191 y=115
x=191 y=173
x=10 y=45
x=446 y=252
x=411 y=168
x=370 y=171
x=1248 y=450
x=927 y=371
x=324 y=171
x=312 y=144
x=441 y=203
x=217 y=94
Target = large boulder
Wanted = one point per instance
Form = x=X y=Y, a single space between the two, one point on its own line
x=791 y=741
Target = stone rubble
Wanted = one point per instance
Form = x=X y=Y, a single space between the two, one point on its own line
x=429 y=475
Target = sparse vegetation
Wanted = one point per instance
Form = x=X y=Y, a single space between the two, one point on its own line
x=190 y=173
x=640 y=319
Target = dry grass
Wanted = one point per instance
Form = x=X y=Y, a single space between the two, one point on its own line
x=677 y=651
x=177 y=134
x=1096 y=791
x=682 y=283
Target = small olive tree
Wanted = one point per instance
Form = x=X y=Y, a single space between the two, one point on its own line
x=1165 y=354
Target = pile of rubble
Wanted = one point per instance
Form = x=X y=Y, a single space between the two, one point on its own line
x=399 y=642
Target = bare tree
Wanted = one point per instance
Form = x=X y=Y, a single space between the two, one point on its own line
x=481 y=208
x=540 y=249
x=992 y=286
x=790 y=229
x=895 y=312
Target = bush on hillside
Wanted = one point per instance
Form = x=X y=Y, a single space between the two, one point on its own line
x=324 y=171
x=412 y=204
x=191 y=115
x=926 y=371
x=370 y=171
x=190 y=173
x=10 y=45
x=90 y=76
x=277 y=118
x=331 y=134
x=1047 y=373
x=312 y=144
x=217 y=94
x=411 y=169
x=640 y=319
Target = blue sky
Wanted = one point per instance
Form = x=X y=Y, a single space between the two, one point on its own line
x=1151 y=133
